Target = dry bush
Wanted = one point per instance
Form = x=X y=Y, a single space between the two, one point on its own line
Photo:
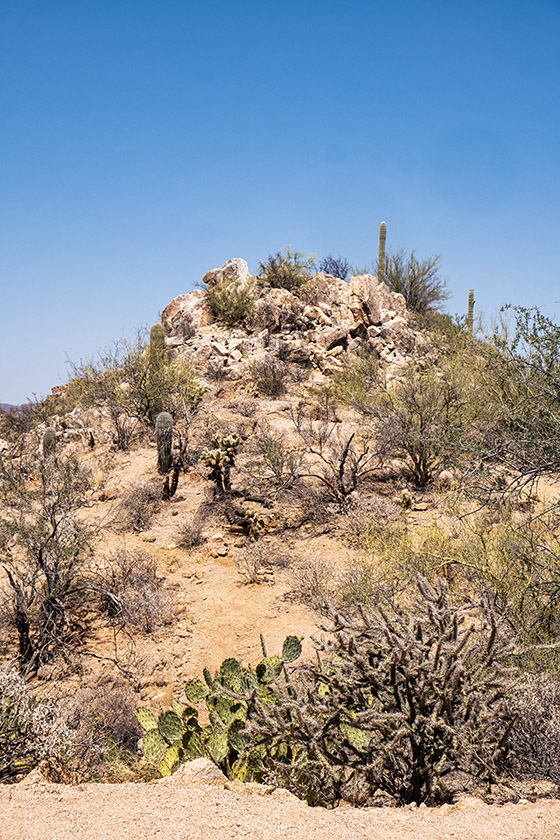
x=258 y=560
x=189 y=534
x=138 y=506
x=31 y=732
x=130 y=591
x=269 y=375
x=216 y=370
x=313 y=582
x=374 y=509
x=105 y=732
x=535 y=737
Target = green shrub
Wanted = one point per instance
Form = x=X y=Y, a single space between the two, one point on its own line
x=287 y=269
x=231 y=302
x=418 y=281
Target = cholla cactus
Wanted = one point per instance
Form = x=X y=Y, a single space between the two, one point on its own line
x=164 y=441
x=221 y=459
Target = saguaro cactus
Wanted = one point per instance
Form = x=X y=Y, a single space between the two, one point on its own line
x=381 y=257
x=164 y=440
x=49 y=441
x=470 y=315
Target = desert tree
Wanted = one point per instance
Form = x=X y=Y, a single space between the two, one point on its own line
x=44 y=547
x=417 y=280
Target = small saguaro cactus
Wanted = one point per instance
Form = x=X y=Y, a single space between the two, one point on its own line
x=164 y=441
x=49 y=441
x=157 y=346
x=470 y=315
x=381 y=257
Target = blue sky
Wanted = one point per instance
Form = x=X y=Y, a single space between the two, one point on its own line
x=143 y=143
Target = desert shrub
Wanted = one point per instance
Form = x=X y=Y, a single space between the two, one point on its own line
x=231 y=302
x=340 y=458
x=132 y=382
x=44 y=549
x=432 y=415
x=105 y=732
x=313 y=582
x=279 y=463
x=189 y=534
x=335 y=266
x=269 y=375
x=216 y=370
x=522 y=383
x=418 y=281
x=139 y=504
x=258 y=561
x=399 y=700
x=31 y=731
x=287 y=269
x=535 y=735
x=130 y=590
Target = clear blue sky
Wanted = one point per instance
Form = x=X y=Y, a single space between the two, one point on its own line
x=144 y=142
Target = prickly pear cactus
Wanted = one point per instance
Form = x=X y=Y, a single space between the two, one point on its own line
x=164 y=441
x=230 y=695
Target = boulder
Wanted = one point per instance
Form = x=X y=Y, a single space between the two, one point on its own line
x=232 y=271
x=201 y=771
x=186 y=314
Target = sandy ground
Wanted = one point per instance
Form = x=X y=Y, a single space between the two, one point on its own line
x=142 y=811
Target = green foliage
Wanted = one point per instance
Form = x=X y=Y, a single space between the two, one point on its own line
x=522 y=382
x=432 y=414
x=164 y=441
x=400 y=700
x=132 y=382
x=287 y=269
x=230 y=302
x=230 y=698
x=49 y=442
x=417 y=280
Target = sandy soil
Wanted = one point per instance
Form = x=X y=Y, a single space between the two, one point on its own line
x=142 y=811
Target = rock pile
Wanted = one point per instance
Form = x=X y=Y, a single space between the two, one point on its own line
x=314 y=329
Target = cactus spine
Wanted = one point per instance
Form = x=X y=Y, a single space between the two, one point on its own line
x=381 y=257
x=49 y=442
x=470 y=315
x=164 y=440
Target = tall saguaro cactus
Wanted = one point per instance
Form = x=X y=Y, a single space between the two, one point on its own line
x=381 y=257
x=470 y=315
x=164 y=440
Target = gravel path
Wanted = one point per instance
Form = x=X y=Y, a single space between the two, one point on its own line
x=142 y=811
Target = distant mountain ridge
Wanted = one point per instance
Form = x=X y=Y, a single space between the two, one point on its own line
x=10 y=409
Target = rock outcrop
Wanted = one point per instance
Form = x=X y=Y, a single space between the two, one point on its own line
x=314 y=329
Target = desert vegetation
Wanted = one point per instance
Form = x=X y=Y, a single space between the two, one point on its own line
x=386 y=476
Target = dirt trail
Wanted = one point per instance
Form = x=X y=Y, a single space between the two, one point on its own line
x=142 y=811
